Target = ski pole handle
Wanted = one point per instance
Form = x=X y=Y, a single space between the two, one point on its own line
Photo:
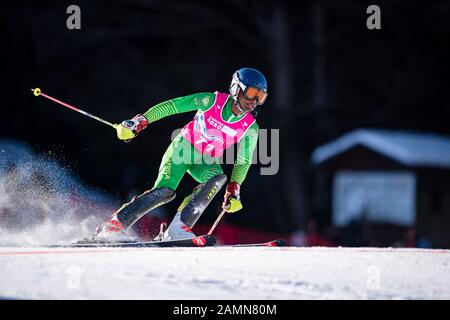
x=216 y=222
x=37 y=92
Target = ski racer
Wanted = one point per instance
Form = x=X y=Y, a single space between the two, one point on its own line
x=221 y=120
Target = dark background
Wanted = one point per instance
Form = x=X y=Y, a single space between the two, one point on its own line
x=327 y=74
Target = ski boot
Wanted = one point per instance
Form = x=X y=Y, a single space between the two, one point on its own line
x=191 y=209
x=177 y=230
x=111 y=230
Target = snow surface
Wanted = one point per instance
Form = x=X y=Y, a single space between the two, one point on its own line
x=224 y=273
x=42 y=202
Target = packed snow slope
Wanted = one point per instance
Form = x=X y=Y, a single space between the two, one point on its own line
x=42 y=201
x=224 y=273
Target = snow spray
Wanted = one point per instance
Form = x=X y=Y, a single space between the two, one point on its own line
x=42 y=202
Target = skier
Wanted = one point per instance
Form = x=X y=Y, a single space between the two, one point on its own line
x=221 y=120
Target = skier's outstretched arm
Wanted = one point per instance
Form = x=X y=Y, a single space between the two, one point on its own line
x=247 y=145
x=129 y=129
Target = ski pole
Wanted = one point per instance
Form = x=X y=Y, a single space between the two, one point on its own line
x=37 y=92
x=216 y=222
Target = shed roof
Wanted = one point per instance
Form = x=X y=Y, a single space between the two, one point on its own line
x=415 y=149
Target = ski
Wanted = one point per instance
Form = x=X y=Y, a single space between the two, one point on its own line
x=200 y=241
x=273 y=243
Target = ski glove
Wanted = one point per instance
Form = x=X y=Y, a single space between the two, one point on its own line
x=232 y=199
x=129 y=129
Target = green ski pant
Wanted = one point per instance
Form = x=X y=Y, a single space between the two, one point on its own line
x=181 y=156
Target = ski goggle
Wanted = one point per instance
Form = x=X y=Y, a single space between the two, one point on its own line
x=251 y=93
